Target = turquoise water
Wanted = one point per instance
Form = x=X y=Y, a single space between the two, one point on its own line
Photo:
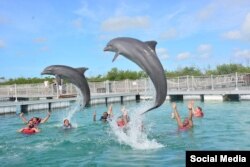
x=224 y=127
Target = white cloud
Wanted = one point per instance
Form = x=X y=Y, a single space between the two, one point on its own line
x=171 y=33
x=77 y=23
x=233 y=35
x=124 y=23
x=241 y=34
x=40 y=40
x=174 y=14
x=84 y=11
x=242 y=54
x=183 y=56
x=207 y=12
x=162 y=53
x=246 y=27
x=2 y=44
x=3 y=20
x=204 y=50
x=44 y=49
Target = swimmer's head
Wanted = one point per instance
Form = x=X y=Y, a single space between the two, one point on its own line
x=30 y=124
x=105 y=115
x=198 y=109
x=120 y=122
x=35 y=120
x=66 y=122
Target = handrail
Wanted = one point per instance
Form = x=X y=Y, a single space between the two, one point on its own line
x=236 y=81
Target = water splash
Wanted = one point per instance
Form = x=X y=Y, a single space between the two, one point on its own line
x=135 y=134
x=76 y=106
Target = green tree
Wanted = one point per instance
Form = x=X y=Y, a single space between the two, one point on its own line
x=184 y=71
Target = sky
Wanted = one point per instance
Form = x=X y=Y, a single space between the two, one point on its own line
x=203 y=34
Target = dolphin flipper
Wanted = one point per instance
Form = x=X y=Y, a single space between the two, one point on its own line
x=116 y=55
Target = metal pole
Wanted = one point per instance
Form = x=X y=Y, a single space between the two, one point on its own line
x=128 y=85
x=52 y=89
x=236 y=81
x=94 y=88
x=178 y=83
x=57 y=90
x=15 y=93
x=137 y=82
x=114 y=87
x=192 y=82
x=107 y=86
x=212 y=82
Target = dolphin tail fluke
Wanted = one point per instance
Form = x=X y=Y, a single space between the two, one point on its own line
x=156 y=106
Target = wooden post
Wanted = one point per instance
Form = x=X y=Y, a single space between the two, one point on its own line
x=121 y=99
x=106 y=101
x=137 y=98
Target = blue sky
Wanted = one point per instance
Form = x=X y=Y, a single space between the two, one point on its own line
x=36 y=34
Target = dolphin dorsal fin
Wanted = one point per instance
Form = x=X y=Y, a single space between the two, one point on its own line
x=151 y=44
x=82 y=69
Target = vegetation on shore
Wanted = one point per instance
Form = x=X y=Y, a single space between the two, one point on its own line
x=115 y=75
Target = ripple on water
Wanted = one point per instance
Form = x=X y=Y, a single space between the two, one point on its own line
x=97 y=144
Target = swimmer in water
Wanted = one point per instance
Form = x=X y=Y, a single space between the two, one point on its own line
x=105 y=116
x=188 y=122
x=36 y=120
x=67 y=124
x=197 y=112
x=29 y=129
x=123 y=119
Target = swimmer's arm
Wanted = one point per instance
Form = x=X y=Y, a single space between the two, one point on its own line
x=190 y=114
x=36 y=130
x=20 y=130
x=46 y=118
x=191 y=105
x=23 y=118
x=177 y=116
x=94 y=116
x=110 y=111
x=125 y=117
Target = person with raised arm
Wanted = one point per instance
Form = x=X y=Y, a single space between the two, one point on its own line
x=107 y=115
x=187 y=123
x=197 y=112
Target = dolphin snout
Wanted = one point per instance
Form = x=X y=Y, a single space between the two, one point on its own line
x=107 y=48
x=45 y=72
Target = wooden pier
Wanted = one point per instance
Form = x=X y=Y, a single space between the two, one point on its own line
x=40 y=96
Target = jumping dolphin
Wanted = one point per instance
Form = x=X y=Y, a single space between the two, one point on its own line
x=144 y=55
x=74 y=75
